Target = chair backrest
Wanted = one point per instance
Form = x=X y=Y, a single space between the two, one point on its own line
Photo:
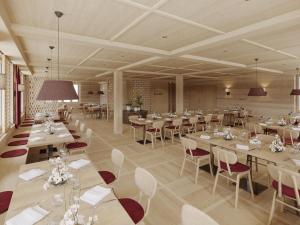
x=71 y=109
x=177 y=122
x=285 y=177
x=89 y=135
x=77 y=122
x=220 y=117
x=147 y=185
x=193 y=216
x=188 y=145
x=193 y=120
x=225 y=156
x=82 y=127
x=69 y=118
x=117 y=157
x=266 y=139
x=207 y=118
x=132 y=118
x=158 y=124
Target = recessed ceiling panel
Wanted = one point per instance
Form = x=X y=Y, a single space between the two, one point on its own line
x=120 y=55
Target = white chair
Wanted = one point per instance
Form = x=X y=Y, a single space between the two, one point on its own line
x=117 y=157
x=75 y=127
x=288 y=136
x=154 y=132
x=147 y=185
x=191 y=126
x=80 y=146
x=228 y=167
x=82 y=128
x=193 y=216
x=286 y=184
x=174 y=128
x=134 y=126
x=240 y=118
x=206 y=122
x=218 y=120
x=194 y=155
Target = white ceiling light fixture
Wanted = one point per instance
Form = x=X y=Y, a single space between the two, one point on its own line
x=54 y=90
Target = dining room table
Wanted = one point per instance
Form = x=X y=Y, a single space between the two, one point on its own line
x=289 y=158
x=30 y=195
x=39 y=136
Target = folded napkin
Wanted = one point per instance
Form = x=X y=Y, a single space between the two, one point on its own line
x=36 y=131
x=79 y=163
x=31 y=174
x=168 y=119
x=64 y=135
x=262 y=124
x=296 y=128
x=149 y=121
x=60 y=128
x=33 y=139
x=219 y=133
x=296 y=161
x=242 y=147
x=206 y=137
x=28 y=216
x=95 y=195
x=38 y=125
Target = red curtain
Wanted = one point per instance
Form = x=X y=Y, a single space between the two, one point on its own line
x=17 y=94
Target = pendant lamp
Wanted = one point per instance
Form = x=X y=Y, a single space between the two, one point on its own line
x=54 y=90
x=257 y=91
x=296 y=91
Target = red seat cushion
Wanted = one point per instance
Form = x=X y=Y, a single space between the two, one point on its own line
x=133 y=208
x=17 y=143
x=271 y=131
x=5 y=198
x=286 y=190
x=201 y=122
x=288 y=141
x=107 y=176
x=171 y=127
x=13 y=153
x=76 y=136
x=188 y=125
x=215 y=120
x=27 y=125
x=24 y=135
x=72 y=131
x=252 y=134
x=136 y=125
x=237 y=167
x=75 y=145
x=198 y=152
x=153 y=130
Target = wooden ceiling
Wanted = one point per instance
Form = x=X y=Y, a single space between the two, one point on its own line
x=158 y=39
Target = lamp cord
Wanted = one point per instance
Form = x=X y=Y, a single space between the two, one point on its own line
x=58 y=48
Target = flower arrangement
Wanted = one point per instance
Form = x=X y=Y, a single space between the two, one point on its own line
x=277 y=145
x=72 y=217
x=49 y=127
x=281 y=122
x=59 y=174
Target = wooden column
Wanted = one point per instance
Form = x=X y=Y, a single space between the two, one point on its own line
x=118 y=102
x=179 y=94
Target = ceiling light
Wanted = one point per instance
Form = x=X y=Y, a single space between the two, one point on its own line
x=257 y=91
x=296 y=91
x=164 y=36
x=57 y=89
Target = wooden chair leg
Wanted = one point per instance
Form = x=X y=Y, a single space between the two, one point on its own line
x=182 y=166
x=216 y=181
x=237 y=188
x=272 y=208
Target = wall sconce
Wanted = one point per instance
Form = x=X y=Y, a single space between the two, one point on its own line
x=227 y=91
x=21 y=87
x=2 y=81
x=90 y=92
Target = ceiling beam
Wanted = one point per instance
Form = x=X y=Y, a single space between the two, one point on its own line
x=34 y=32
x=238 y=33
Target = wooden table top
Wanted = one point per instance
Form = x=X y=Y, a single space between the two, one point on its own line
x=30 y=193
x=38 y=136
x=260 y=151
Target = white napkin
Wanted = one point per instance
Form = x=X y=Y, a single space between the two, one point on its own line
x=28 y=216
x=33 y=139
x=59 y=128
x=36 y=131
x=242 y=147
x=95 y=195
x=38 y=125
x=219 y=133
x=149 y=121
x=79 y=163
x=296 y=128
x=168 y=119
x=296 y=161
x=31 y=174
x=206 y=137
x=64 y=135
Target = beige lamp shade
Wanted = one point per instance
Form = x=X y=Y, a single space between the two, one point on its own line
x=21 y=87
x=2 y=82
x=54 y=90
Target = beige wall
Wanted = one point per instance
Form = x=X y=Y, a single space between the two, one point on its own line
x=160 y=97
x=89 y=98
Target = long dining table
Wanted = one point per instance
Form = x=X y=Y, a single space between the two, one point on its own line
x=31 y=193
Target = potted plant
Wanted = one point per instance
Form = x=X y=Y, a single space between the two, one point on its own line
x=138 y=103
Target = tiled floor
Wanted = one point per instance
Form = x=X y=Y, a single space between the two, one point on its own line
x=173 y=191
